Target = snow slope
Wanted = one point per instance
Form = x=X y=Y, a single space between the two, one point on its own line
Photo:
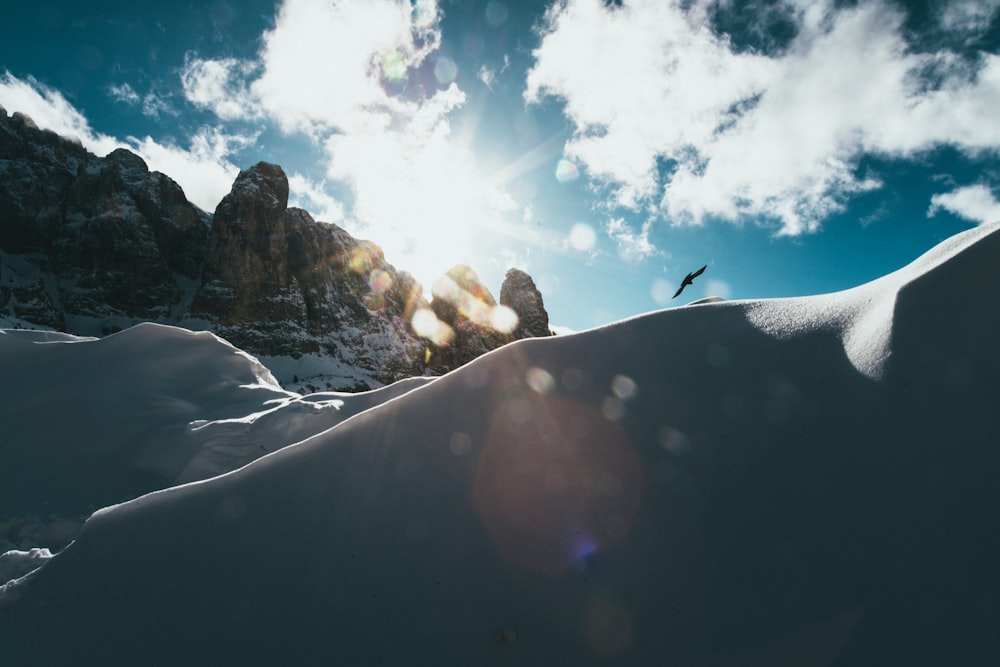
x=784 y=482
x=91 y=422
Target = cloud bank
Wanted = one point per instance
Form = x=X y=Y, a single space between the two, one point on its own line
x=355 y=77
x=975 y=203
x=50 y=110
x=203 y=169
x=670 y=115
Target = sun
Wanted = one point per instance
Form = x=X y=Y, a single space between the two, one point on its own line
x=425 y=205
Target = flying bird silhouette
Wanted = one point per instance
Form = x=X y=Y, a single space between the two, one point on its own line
x=688 y=280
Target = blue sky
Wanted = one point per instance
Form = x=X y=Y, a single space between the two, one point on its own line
x=795 y=147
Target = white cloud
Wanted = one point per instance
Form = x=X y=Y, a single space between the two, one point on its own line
x=151 y=104
x=415 y=186
x=749 y=135
x=967 y=15
x=50 y=110
x=666 y=88
x=325 y=64
x=528 y=215
x=313 y=197
x=219 y=85
x=487 y=76
x=203 y=170
x=490 y=76
x=632 y=246
x=124 y=93
x=334 y=71
x=323 y=67
x=976 y=203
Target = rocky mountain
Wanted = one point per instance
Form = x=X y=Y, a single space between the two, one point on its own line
x=519 y=293
x=279 y=284
x=90 y=240
x=90 y=245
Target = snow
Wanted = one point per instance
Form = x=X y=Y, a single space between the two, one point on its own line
x=805 y=481
x=141 y=410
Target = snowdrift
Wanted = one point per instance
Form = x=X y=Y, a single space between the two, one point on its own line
x=783 y=482
x=92 y=422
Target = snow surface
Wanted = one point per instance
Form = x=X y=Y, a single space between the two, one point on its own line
x=806 y=481
x=144 y=409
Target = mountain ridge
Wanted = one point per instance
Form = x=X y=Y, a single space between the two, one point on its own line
x=92 y=245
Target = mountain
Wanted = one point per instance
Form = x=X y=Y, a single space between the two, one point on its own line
x=90 y=241
x=93 y=245
x=806 y=481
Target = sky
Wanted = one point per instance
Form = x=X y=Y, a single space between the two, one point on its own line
x=794 y=147
x=804 y=482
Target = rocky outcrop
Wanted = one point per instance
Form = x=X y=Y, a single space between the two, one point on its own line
x=519 y=293
x=113 y=241
x=36 y=168
x=278 y=283
x=475 y=324
x=90 y=245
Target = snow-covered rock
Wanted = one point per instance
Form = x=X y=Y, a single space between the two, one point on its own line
x=802 y=481
x=277 y=283
x=90 y=244
x=94 y=245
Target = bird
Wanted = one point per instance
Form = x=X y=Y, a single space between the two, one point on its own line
x=688 y=280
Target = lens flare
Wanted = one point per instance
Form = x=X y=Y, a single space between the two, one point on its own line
x=674 y=441
x=582 y=237
x=624 y=387
x=566 y=171
x=361 y=261
x=556 y=481
x=459 y=443
x=608 y=627
x=427 y=325
x=661 y=291
x=613 y=408
x=469 y=298
x=380 y=281
x=503 y=319
x=496 y=13
x=445 y=70
x=394 y=66
x=540 y=380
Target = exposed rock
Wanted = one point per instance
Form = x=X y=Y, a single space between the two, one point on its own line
x=127 y=240
x=91 y=245
x=116 y=241
x=519 y=293
x=278 y=283
x=465 y=305
x=36 y=168
x=25 y=299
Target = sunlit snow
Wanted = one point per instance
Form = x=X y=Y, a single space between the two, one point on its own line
x=805 y=481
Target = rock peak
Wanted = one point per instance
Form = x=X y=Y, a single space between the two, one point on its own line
x=125 y=158
x=519 y=293
x=264 y=183
x=121 y=244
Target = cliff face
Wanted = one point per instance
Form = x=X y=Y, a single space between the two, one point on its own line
x=90 y=245
x=475 y=325
x=88 y=241
x=519 y=293
x=277 y=283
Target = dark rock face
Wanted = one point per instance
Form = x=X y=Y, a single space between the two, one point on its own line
x=278 y=283
x=89 y=245
x=519 y=293
x=465 y=305
x=106 y=238
x=36 y=168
